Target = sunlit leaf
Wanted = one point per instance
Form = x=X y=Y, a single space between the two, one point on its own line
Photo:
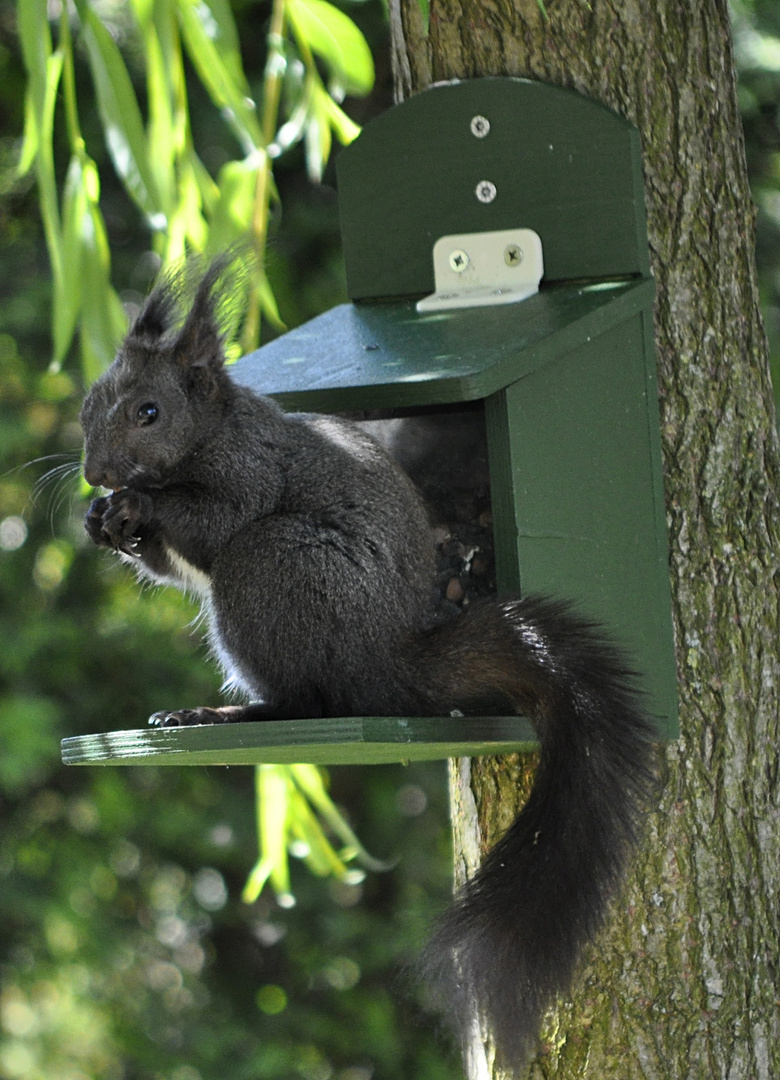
x=310 y=780
x=320 y=855
x=317 y=141
x=103 y=320
x=121 y=117
x=232 y=213
x=143 y=11
x=187 y=228
x=163 y=134
x=33 y=25
x=273 y=787
x=335 y=38
x=292 y=130
x=224 y=34
x=209 y=191
x=44 y=70
x=257 y=880
x=30 y=138
x=227 y=90
x=67 y=288
x=345 y=128
x=268 y=303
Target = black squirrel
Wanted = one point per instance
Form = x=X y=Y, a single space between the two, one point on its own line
x=312 y=553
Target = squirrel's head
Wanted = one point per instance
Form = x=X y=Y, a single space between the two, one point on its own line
x=164 y=393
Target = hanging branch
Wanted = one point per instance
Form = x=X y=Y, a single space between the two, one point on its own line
x=184 y=208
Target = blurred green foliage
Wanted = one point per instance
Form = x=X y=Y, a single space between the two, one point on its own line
x=126 y=952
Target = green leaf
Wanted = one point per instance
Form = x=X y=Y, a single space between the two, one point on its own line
x=164 y=135
x=143 y=11
x=309 y=778
x=209 y=191
x=345 y=128
x=103 y=323
x=30 y=138
x=103 y=320
x=267 y=302
x=121 y=116
x=317 y=851
x=219 y=72
x=67 y=288
x=292 y=130
x=225 y=36
x=44 y=69
x=317 y=140
x=33 y=25
x=335 y=38
x=232 y=214
x=273 y=789
x=187 y=226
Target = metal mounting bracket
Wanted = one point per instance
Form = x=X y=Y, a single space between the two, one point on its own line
x=476 y=269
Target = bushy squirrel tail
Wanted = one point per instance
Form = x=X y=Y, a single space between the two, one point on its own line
x=511 y=939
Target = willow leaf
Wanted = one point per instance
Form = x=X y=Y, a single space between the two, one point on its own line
x=226 y=90
x=164 y=139
x=121 y=116
x=335 y=38
x=345 y=128
x=317 y=142
x=33 y=25
x=231 y=214
x=225 y=36
x=310 y=780
x=273 y=789
x=67 y=288
x=187 y=227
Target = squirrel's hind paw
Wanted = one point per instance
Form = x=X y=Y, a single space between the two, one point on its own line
x=187 y=717
x=227 y=714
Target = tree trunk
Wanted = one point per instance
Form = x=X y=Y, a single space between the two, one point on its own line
x=684 y=982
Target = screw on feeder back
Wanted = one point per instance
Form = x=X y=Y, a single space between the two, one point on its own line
x=486 y=191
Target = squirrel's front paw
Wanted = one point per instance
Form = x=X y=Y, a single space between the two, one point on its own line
x=93 y=522
x=113 y=520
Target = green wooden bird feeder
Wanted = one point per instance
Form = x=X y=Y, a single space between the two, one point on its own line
x=454 y=205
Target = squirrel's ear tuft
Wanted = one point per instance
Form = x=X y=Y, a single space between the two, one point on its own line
x=213 y=301
x=200 y=342
x=160 y=312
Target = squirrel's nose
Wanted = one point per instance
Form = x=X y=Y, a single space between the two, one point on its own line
x=97 y=476
x=93 y=476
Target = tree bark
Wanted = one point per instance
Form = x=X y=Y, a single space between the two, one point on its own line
x=684 y=982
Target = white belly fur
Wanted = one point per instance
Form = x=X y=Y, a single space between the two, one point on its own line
x=194 y=580
x=199 y=584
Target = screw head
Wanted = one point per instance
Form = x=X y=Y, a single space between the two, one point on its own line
x=513 y=255
x=480 y=127
x=459 y=260
x=486 y=191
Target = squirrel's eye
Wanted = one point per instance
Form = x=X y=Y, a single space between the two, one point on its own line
x=147 y=414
